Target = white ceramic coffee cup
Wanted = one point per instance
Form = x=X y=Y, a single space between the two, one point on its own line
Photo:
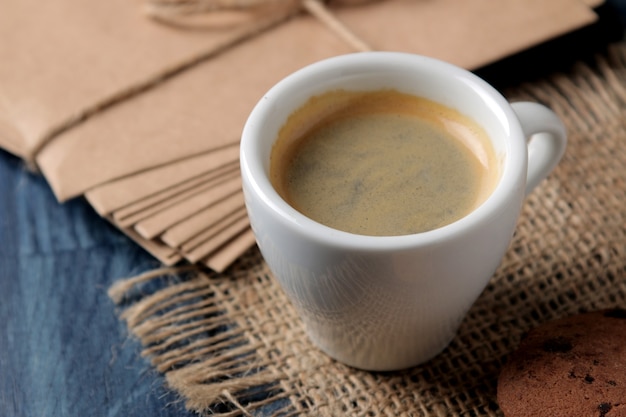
x=385 y=303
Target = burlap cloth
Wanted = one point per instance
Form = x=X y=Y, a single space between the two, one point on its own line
x=231 y=344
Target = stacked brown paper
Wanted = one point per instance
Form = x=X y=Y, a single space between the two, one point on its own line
x=144 y=118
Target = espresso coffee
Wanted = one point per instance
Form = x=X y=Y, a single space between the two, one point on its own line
x=382 y=163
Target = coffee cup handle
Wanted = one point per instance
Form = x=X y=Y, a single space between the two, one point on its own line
x=546 y=138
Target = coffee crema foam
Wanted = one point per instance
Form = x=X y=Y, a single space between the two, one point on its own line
x=382 y=163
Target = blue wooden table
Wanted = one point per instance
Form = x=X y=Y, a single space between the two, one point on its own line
x=63 y=351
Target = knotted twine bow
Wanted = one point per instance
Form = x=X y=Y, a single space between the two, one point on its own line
x=194 y=14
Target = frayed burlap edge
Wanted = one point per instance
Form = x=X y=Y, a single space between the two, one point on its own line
x=231 y=344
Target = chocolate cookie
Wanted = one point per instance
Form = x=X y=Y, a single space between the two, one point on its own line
x=575 y=366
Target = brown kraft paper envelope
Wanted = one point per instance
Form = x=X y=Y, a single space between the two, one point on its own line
x=204 y=107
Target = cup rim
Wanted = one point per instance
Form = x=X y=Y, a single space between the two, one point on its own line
x=256 y=180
